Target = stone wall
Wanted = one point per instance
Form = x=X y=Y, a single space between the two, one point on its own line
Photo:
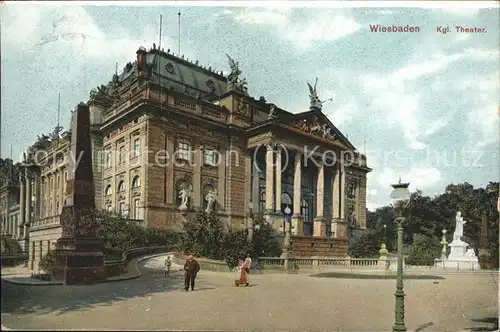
x=319 y=247
x=40 y=240
x=236 y=181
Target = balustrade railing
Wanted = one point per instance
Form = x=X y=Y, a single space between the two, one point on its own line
x=49 y=221
x=373 y=264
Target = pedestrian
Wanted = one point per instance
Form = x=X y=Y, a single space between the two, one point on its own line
x=191 y=268
x=168 y=263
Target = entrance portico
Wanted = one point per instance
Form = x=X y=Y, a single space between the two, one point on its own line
x=316 y=167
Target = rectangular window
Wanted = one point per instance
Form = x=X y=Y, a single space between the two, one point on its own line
x=183 y=151
x=137 y=209
x=137 y=147
x=121 y=155
x=210 y=157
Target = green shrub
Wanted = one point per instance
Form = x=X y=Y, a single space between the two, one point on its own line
x=11 y=246
x=367 y=246
x=204 y=236
x=423 y=251
x=47 y=262
x=264 y=242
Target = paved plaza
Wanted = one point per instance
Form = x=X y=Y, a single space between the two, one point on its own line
x=273 y=302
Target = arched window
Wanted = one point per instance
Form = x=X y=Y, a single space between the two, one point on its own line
x=108 y=191
x=121 y=186
x=136 y=182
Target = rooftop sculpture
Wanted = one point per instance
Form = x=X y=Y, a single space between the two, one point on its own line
x=315 y=102
x=233 y=79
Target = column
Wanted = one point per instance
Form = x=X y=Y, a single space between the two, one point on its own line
x=27 y=201
x=255 y=184
x=297 y=220
x=339 y=226
x=269 y=179
x=319 y=220
x=248 y=194
x=278 y=181
x=61 y=190
x=342 y=192
x=53 y=192
x=221 y=195
x=170 y=170
x=41 y=198
x=22 y=186
x=37 y=196
x=198 y=157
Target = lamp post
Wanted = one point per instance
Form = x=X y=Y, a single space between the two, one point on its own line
x=286 y=246
x=399 y=200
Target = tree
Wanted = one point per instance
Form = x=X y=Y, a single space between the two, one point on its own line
x=264 y=242
x=204 y=236
x=424 y=251
x=367 y=246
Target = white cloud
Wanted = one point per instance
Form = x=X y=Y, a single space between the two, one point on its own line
x=379 y=182
x=65 y=27
x=322 y=27
x=401 y=101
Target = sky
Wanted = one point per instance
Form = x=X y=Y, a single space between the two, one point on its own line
x=423 y=106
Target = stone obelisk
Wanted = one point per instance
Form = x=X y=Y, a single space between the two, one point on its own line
x=79 y=252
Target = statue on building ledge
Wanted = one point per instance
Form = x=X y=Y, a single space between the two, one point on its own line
x=211 y=198
x=184 y=194
x=233 y=79
x=315 y=103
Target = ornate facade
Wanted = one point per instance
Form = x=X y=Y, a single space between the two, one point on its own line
x=170 y=137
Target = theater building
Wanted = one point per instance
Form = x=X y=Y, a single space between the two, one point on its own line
x=170 y=137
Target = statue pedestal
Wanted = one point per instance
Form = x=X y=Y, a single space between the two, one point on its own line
x=458 y=257
x=79 y=257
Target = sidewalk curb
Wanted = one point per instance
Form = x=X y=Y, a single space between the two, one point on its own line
x=59 y=283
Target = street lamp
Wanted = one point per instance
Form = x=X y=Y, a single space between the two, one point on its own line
x=399 y=200
x=286 y=246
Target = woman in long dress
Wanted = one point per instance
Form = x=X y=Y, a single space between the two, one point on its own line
x=241 y=274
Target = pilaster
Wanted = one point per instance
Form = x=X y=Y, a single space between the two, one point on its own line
x=277 y=192
x=222 y=180
x=198 y=159
x=319 y=220
x=297 y=219
x=269 y=179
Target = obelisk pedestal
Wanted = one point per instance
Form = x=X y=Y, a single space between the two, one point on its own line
x=79 y=257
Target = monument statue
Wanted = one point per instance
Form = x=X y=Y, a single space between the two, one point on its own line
x=79 y=254
x=315 y=102
x=459 y=226
x=184 y=194
x=211 y=198
x=233 y=79
x=460 y=254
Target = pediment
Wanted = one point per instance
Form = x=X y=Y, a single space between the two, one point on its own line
x=317 y=124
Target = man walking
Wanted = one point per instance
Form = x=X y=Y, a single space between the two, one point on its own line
x=168 y=263
x=191 y=268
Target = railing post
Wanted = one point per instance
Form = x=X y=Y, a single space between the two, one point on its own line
x=315 y=262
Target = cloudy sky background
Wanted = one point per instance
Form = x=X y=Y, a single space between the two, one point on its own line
x=425 y=103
